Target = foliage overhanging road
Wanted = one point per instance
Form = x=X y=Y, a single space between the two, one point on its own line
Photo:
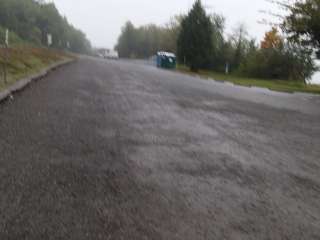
x=116 y=150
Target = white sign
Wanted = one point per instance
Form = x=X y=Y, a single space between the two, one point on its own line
x=7 y=37
x=49 y=38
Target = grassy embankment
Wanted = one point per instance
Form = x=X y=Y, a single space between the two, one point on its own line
x=276 y=85
x=24 y=61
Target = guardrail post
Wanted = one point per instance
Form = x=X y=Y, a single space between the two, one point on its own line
x=5 y=74
x=4 y=56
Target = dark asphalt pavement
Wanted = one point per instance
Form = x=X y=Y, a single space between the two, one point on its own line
x=118 y=150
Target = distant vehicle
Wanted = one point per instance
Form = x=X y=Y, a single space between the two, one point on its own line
x=111 y=54
x=107 y=53
x=100 y=55
x=166 y=60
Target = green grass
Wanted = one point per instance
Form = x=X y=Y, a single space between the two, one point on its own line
x=276 y=85
x=24 y=61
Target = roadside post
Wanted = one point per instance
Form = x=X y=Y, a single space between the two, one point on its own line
x=49 y=39
x=227 y=68
x=6 y=45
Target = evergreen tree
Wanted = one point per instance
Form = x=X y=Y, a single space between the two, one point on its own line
x=195 y=42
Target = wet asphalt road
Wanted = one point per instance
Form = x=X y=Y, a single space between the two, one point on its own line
x=117 y=150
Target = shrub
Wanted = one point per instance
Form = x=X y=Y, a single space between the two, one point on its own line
x=290 y=62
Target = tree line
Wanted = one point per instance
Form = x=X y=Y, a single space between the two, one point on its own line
x=144 y=41
x=32 y=20
x=200 y=42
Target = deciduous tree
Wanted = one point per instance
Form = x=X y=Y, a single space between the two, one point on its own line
x=272 y=39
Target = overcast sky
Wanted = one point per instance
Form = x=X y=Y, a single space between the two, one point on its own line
x=102 y=20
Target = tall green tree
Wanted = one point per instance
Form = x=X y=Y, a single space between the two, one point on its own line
x=171 y=33
x=127 y=41
x=195 y=43
x=302 y=24
x=217 y=59
x=240 y=42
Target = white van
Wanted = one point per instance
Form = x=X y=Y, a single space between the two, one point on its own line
x=111 y=54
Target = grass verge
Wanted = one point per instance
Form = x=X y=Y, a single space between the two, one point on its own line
x=24 y=61
x=275 y=85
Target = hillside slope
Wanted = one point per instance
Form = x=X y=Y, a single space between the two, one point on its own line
x=25 y=60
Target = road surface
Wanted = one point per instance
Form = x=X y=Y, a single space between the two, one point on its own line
x=118 y=150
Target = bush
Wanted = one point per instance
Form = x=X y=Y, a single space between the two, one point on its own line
x=287 y=63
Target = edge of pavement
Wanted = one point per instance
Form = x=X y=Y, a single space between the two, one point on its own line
x=24 y=82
